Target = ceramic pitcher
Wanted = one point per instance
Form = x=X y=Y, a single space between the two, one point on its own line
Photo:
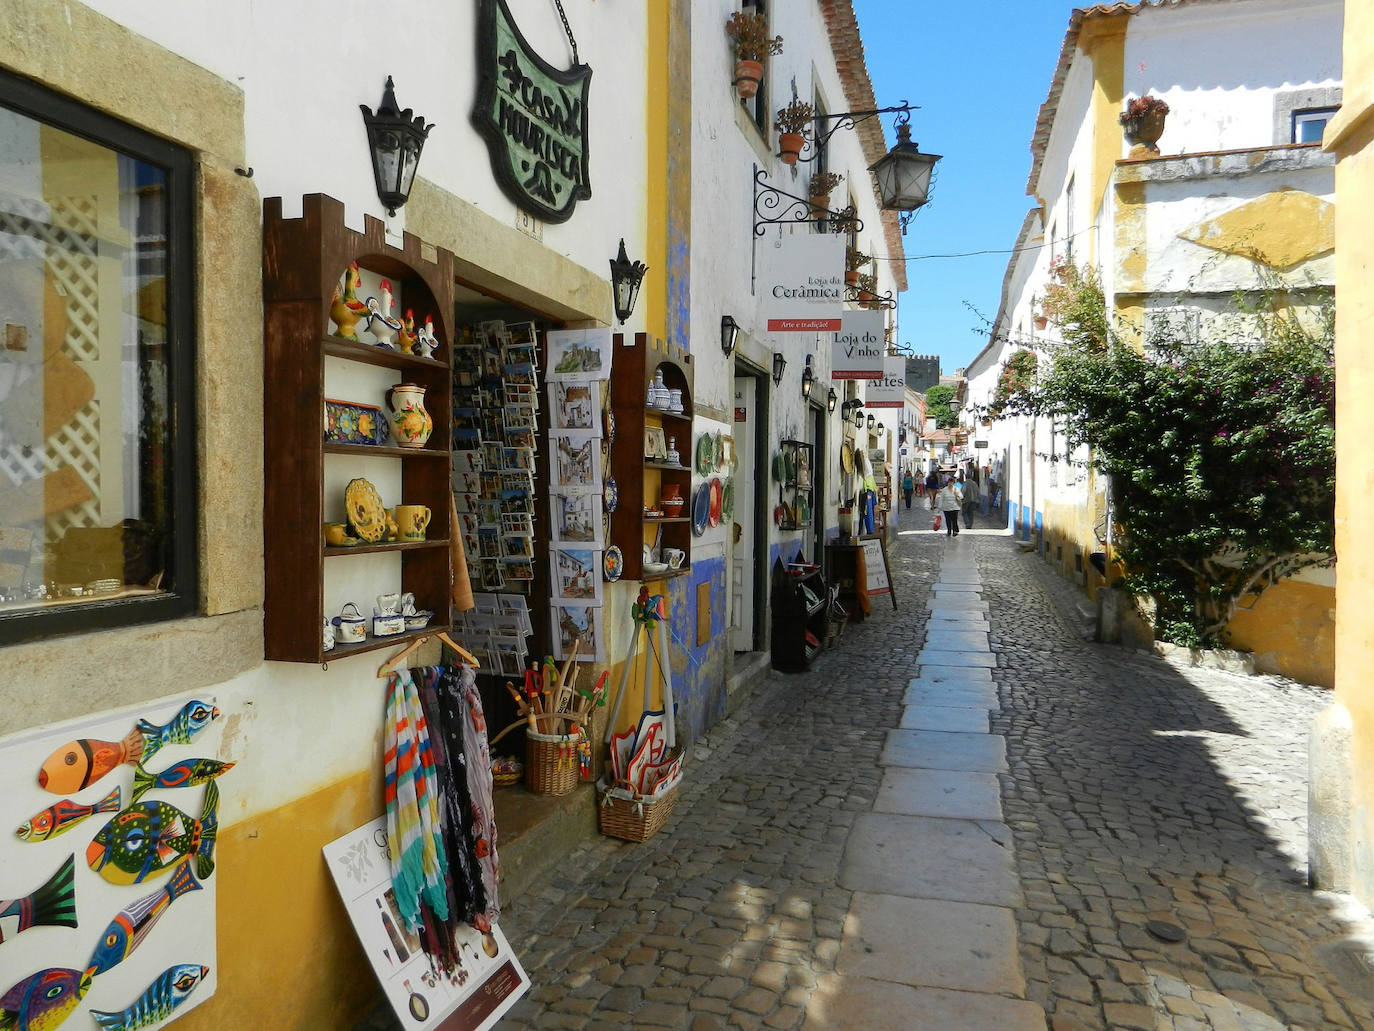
x=410 y=423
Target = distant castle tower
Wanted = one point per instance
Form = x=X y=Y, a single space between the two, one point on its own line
x=922 y=372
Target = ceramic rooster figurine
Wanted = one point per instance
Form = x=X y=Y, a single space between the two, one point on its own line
x=425 y=341
x=346 y=310
x=408 y=336
x=380 y=322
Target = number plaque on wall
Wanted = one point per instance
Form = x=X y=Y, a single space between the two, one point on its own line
x=533 y=117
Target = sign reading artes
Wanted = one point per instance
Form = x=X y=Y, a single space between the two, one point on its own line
x=533 y=117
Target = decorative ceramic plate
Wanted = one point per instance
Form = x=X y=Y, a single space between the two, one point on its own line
x=727 y=505
x=716 y=495
x=847 y=458
x=348 y=422
x=611 y=494
x=701 y=509
x=612 y=563
x=364 y=509
x=654 y=568
x=705 y=450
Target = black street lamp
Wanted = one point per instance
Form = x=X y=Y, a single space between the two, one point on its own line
x=903 y=174
x=395 y=139
x=808 y=378
x=830 y=401
x=626 y=275
x=729 y=334
x=779 y=363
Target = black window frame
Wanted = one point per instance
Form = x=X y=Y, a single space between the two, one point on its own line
x=38 y=102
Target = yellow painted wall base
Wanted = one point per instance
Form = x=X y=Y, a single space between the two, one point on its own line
x=288 y=958
x=1292 y=631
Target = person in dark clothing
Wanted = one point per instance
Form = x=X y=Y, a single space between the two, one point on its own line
x=932 y=485
x=908 y=486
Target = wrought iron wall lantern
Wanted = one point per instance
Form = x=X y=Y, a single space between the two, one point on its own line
x=870 y=422
x=831 y=399
x=859 y=417
x=808 y=378
x=626 y=275
x=395 y=138
x=779 y=363
x=729 y=334
x=854 y=405
x=903 y=173
x=778 y=207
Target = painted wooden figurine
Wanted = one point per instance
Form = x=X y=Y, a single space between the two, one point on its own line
x=380 y=322
x=408 y=337
x=425 y=342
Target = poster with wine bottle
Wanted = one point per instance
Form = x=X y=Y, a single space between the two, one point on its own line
x=471 y=993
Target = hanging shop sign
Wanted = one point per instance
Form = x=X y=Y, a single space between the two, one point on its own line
x=803 y=280
x=890 y=390
x=858 y=347
x=533 y=117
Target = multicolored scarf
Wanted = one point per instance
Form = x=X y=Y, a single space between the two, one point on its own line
x=418 y=865
x=478 y=768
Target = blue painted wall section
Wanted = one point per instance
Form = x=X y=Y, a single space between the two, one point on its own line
x=698 y=670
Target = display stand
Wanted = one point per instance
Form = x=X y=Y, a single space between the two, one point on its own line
x=842 y=563
x=800 y=610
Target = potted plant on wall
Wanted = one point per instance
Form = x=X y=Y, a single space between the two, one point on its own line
x=793 y=125
x=868 y=286
x=749 y=33
x=821 y=186
x=854 y=259
x=1038 y=313
x=1143 y=122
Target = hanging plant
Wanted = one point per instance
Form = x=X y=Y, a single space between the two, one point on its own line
x=749 y=33
x=823 y=183
x=1143 y=122
x=868 y=289
x=793 y=125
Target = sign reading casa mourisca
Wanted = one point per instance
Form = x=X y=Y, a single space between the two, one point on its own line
x=533 y=117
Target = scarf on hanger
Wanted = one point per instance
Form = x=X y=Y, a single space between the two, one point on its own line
x=461 y=682
x=418 y=865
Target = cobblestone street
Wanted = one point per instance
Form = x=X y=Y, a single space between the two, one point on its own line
x=1140 y=798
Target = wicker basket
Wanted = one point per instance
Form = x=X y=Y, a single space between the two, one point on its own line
x=551 y=762
x=637 y=819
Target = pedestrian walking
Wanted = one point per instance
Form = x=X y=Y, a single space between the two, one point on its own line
x=932 y=485
x=949 y=500
x=908 y=486
x=970 y=490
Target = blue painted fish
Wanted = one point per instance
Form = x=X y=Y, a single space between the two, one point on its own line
x=185 y=774
x=147 y=838
x=159 y=1000
x=63 y=816
x=51 y=905
x=133 y=923
x=190 y=721
x=78 y=764
x=43 y=1000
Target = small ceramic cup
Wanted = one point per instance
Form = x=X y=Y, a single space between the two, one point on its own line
x=412 y=521
x=335 y=535
x=674 y=557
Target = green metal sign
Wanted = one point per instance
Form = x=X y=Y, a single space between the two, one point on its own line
x=533 y=117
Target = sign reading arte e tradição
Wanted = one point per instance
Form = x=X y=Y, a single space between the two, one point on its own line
x=533 y=117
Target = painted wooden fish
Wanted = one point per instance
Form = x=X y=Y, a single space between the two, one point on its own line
x=185 y=774
x=159 y=1000
x=78 y=764
x=63 y=816
x=43 y=1000
x=51 y=905
x=147 y=838
x=186 y=724
x=133 y=923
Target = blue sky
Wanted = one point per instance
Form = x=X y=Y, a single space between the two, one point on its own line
x=979 y=72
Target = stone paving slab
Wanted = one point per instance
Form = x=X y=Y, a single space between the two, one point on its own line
x=956 y=794
x=938 y=750
x=941 y=657
x=930 y=858
x=956 y=640
x=861 y=1003
x=962 y=945
x=963 y=620
x=964 y=574
x=958 y=719
x=961 y=601
x=974 y=696
x=936 y=674
x=955 y=590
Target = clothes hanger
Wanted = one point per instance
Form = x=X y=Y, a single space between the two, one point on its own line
x=389 y=665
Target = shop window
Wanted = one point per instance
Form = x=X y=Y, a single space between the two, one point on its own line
x=1309 y=125
x=97 y=474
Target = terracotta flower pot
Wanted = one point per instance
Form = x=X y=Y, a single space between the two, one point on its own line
x=1145 y=131
x=789 y=146
x=748 y=75
x=1041 y=322
x=821 y=200
x=851 y=277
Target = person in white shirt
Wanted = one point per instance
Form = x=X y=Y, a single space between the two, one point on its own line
x=949 y=500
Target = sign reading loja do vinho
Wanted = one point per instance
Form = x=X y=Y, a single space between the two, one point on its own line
x=858 y=346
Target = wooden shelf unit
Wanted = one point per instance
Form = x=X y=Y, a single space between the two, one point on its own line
x=303 y=259
x=639 y=480
x=794 y=616
x=796 y=488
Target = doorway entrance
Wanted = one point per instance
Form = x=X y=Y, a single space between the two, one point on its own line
x=748 y=566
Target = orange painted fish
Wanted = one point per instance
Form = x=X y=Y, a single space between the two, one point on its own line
x=78 y=764
x=63 y=816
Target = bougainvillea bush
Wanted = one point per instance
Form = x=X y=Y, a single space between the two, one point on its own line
x=1221 y=452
